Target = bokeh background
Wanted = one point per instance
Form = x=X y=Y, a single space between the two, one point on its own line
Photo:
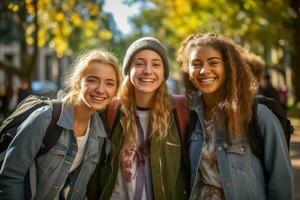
x=40 y=38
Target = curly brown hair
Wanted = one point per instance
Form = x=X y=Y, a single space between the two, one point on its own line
x=238 y=100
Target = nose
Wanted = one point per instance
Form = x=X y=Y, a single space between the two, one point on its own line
x=203 y=69
x=100 y=88
x=147 y=69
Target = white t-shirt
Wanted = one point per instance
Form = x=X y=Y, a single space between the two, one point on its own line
x=81 y=144
x=123 y=190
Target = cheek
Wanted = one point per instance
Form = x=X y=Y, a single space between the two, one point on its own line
x=192 y=73
x=111 y=92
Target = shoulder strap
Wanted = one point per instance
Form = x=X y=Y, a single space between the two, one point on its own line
x=112 y=110
x=53 y=131
x=181 y=111
x=254 y=134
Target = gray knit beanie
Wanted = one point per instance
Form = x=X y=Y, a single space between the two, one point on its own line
x=146 y=43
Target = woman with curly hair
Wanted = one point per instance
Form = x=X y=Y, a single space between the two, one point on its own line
x=146 y=155
x=220 y=96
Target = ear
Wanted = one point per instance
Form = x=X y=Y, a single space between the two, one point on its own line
x=77 y=85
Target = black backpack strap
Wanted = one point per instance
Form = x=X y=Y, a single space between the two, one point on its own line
x=53 y=131
x=255 y=138
x=254 y=135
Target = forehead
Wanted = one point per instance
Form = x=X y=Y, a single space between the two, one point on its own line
x=204 y=52
x=100 y=70
x=147 y=54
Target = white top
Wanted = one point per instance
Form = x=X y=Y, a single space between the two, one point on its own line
x=123 y=190
x=81 y=144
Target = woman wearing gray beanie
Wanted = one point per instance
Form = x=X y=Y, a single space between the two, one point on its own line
x=146 y=156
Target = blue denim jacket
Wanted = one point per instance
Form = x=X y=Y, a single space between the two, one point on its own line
x=241 y=172
x=51 y=168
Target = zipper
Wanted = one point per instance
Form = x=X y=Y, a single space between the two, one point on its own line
x=161 y=181
x=173 y=144
x=111 y=164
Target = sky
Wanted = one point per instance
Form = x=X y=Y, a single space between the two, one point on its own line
x=121 y=13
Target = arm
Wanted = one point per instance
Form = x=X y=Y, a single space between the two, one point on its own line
x=277 y=161
x=21 y=153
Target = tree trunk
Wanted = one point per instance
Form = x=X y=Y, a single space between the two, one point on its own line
x=295 y=62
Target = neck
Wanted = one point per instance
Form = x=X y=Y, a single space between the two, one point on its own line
x=210 y=104
x=144 y=100
x=82 y=112
x=82 y=116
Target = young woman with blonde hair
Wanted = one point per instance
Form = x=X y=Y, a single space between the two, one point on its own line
x=146 y=155
x=64 y=171
x=220 y=96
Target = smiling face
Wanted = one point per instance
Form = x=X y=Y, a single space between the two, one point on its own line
x=98 y=85
x=206 y=71
x=146 y=72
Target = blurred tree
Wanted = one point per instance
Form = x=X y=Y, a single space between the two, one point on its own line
x=260 y=26
x=295 y=6
x=64 y=25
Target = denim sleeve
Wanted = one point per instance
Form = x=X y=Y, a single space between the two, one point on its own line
x=21 y=153
x=277 y=161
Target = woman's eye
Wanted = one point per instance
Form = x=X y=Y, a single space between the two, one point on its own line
x=91 y=80
x=214 y=63
x=139 y=64
x=110 y=83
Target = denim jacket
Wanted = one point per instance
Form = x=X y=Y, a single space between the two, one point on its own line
x=241 y=172
x=52 y=168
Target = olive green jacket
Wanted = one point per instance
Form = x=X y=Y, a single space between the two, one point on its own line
x=167 y=168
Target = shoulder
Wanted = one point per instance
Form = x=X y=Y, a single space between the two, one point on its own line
x=267 y=121
x=40 y=118
x=43 y=113
x=263 y=112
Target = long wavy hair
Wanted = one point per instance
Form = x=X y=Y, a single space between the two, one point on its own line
x=238 y=99
x=74 y=76
x=160 y=113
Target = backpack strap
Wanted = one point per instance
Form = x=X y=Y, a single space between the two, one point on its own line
x=112 y=110
x=254 y=135
x=181 y=113
x=53 y=131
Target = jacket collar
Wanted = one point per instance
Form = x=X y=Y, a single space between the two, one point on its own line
x=66 y=120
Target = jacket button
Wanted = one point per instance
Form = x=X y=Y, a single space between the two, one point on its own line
x=219 y=148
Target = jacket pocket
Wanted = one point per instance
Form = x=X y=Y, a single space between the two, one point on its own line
x=237 y=156
x=50 y=161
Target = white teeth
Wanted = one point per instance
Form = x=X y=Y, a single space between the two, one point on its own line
x=147 y=80
x=207 y=81
x=98 y=98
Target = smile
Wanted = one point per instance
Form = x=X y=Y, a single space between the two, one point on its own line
x=207 y=81
x=147 y=80
x=98 y=98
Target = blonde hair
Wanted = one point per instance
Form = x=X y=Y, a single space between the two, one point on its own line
x=73 y=77
x=237 y=104
x=160 y=113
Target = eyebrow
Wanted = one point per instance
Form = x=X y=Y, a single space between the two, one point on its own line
x=155 y=59
x=95 y=77
x=214 y=58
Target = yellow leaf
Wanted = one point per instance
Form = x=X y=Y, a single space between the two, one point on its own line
x=59 y=17
x=13 y=7
x=29 y=40
x=75 y=18
x=30 y=9
x=105 y=34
